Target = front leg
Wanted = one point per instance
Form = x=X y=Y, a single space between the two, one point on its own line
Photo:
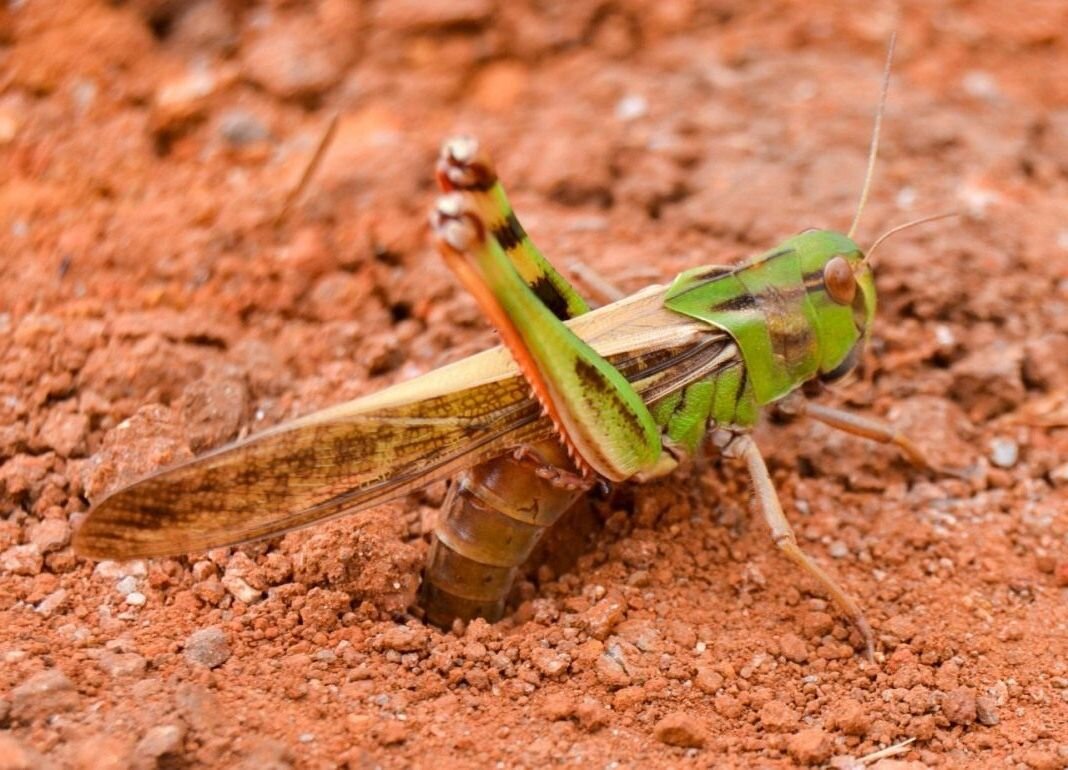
x=866 y=427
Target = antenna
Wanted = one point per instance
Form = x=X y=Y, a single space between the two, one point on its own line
x=906 y=226
x=873 y=151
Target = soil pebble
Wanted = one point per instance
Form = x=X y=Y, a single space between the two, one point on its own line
x=959 y=706
x=681 y=729
x=207 y=647
x=159 y=742
x=811 y=746
x=42 y=695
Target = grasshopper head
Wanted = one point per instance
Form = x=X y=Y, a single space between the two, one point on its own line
x=800 y=311
x=841 y=289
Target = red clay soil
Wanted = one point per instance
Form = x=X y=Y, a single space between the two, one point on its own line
x=152 y=306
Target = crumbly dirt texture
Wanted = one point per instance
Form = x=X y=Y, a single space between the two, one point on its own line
x=154 y=303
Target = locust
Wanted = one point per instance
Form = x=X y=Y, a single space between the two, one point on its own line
x=573 y=397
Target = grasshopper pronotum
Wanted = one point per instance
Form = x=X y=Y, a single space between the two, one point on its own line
x=575 y=395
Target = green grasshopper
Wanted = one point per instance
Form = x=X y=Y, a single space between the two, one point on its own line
x=574 y=396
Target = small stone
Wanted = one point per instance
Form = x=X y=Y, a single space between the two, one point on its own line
x=986 y=710
x=601 y=618
x=680 y=729
x=122 y=664
x=1004 y=452
x=50 y=535
x=209 y=591
x=403 y=639
x=43 y=694
x=241 y=128
x=631 y=107
x=851 y=717
x=592 y=715
x=160 y=741
x=816 y=624
x=810 y=747
x=549 y=661
x=793 y=648
x=113 y=570
x=52 y=603
x=22 y=560
x=182 y=101
x=127 y=585
x=728 y=706
x=959 y=706
x=392 y=732
x=212 y=410
x=777 y=717
x=558 y=706
x=610 y=670
x=900 y=626
x=838 y=550
x=241 y=590
x=136 y=599
x=708 y=680
x=65 y=432
x=207 y=647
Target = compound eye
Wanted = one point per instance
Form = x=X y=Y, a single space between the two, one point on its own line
x=839 y=280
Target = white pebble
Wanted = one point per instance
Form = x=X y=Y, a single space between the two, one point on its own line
x=136 y=599
x=631 y=107
x=1004 y=452
x=127 y=585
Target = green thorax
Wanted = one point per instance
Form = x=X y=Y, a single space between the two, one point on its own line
x=778 y=310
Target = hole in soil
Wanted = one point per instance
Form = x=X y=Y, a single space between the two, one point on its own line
x=161 y=23
x=400 y=311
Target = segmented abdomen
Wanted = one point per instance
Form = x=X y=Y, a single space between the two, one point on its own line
x=493 y=517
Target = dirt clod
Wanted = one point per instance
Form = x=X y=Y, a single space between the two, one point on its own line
x=811 y=746
x=159 y=742
x=43 y=694
x=959 y=706
x=681 y=729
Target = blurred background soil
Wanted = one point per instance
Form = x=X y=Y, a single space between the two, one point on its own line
x=152 y=306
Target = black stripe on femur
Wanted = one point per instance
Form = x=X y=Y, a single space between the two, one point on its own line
x=551 y=297
x=509 y=233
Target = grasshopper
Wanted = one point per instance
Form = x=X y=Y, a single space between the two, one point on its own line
x=572 y=397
